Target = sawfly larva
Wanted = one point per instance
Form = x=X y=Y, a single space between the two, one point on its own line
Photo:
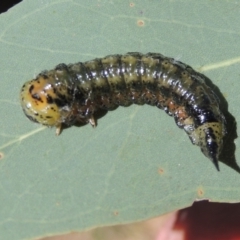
x=70 y=94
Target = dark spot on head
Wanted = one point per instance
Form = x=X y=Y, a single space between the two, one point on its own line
x=37 y=97
x=48 y=117
x=31 y=88
x=49 y=99
x=31 y=118
x=23 y=87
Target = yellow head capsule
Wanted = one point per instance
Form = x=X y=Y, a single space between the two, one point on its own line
x=40 y=102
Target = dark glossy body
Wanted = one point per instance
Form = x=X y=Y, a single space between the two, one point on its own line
x=72 y=93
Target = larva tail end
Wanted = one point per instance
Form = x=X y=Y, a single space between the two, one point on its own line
x=215 y=162
x=209 y=137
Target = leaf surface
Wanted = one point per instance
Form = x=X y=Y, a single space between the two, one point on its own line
x=137 y=163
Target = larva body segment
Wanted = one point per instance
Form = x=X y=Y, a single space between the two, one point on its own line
x=72 y=93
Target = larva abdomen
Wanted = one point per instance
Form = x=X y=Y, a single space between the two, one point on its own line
x=72 y=93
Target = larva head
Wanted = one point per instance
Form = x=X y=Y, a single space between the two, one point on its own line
x=41 y=102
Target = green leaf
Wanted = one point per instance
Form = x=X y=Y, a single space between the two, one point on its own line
x=137 y=164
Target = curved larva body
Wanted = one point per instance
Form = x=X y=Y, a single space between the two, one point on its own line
x=72 y=93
